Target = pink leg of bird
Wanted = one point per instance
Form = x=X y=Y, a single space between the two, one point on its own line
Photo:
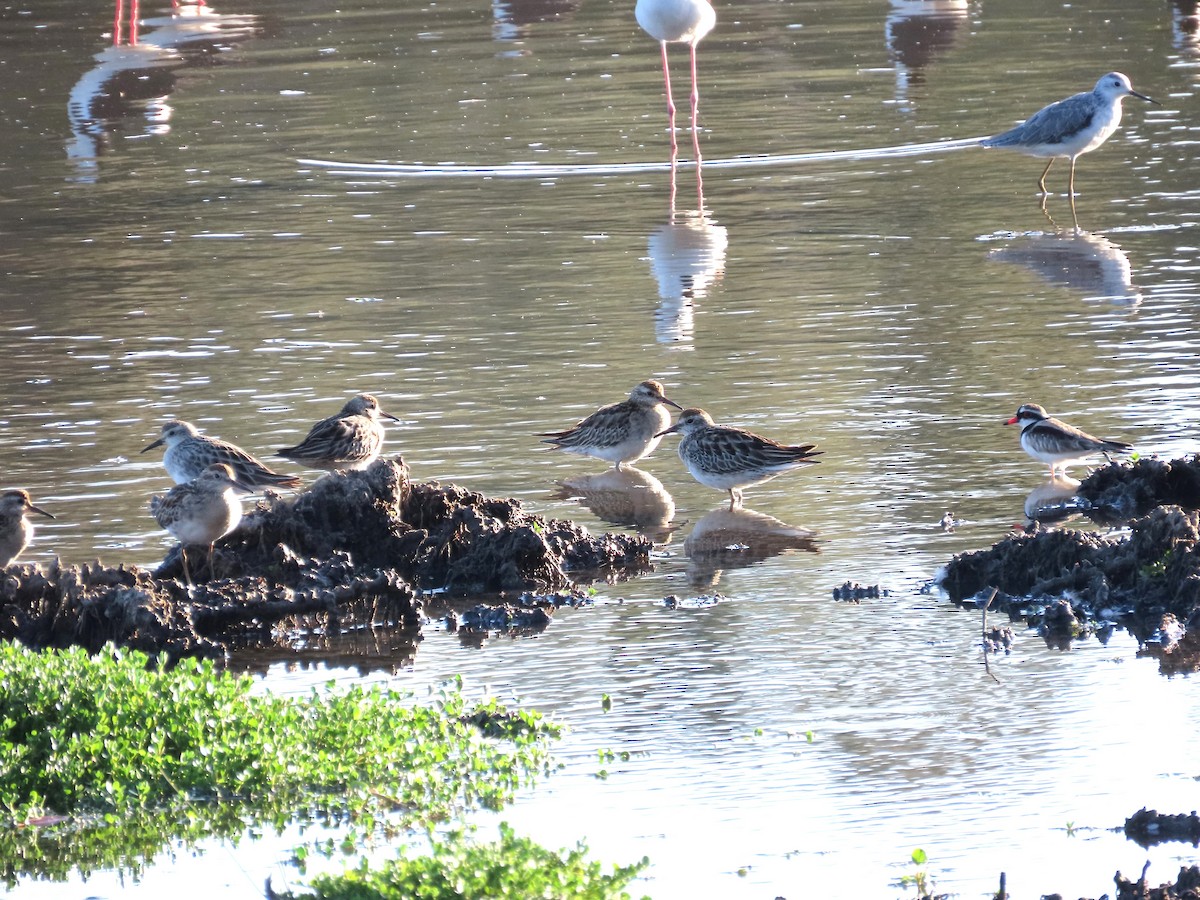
x=696 y=126
x=118 y=23
x=670 y=99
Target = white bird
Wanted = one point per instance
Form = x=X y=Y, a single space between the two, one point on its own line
x=678 y=21
x=1071 y=127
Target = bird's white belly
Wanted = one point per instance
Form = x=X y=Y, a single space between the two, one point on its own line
x=675 y=20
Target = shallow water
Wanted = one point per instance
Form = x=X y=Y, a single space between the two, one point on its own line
x=894 y=310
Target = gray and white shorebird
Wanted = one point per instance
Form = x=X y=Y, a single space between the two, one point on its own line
x=729 y=459
x=15 y=529
x=1071 y=127
x=678 y=21
x=620 y=432
x=1056 y=443
x=190 y=453
x=351 y=440
x=200 y=511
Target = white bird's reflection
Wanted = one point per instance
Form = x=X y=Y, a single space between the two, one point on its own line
x=136 y=74
x=686 y=256
x=731 y=538
x=917 y=31
x=1088 y=263
x=511 y=19
x=1185 y=25
x=1053 y=500
x=625 y=496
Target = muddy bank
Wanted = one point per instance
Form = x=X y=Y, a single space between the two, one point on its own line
x=354 y=550
x=1070 y=583
x=1118 y=493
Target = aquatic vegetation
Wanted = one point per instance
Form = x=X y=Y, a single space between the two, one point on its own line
x=460 y=867
x=105 y=759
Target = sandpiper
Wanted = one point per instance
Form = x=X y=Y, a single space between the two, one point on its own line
x=15 y=530
x=1056 y=443
x=351 y=440
x=190 y=453
x=620 y=432
x=1071 y=127
x=678 y=21
x=200 y=511
x=730 y=459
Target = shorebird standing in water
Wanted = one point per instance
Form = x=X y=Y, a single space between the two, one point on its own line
x=678 y=21
x=201 y=511
x=189 y=453
x=15 y=530
x=351 y=440
x=729 y=459
x=1071 y=127
x=620 y=432
x=1056 y=443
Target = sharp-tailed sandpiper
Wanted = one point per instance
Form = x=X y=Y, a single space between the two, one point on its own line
x=189 y=453
x=198 y=512
x=15 y=529
x=729 y=459
x=620 y=432
x=351 y=440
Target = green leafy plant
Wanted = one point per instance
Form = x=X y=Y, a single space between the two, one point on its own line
x=920 y=879
x=459 y=867
x=105 y=759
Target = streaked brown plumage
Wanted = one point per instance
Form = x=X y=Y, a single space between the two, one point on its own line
x=189 y=453
x=729 y=459
x=620 y=432
x=15 y=529
x=350 y=440
x=199 y=512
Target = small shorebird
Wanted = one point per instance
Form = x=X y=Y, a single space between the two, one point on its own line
x=189 y=453
x=730 y=459
x=1071 y=127
x=620 y=432
x=200 y=511
x=15 y=530
x=1056 y=443
x=351 y=440
x=678 y=21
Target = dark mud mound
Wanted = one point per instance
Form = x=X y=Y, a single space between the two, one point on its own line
x=1148 y=827
x=94 y=605
x=347 y=552
x=1185 y=887
x=1067 y=580
x=437 y=537
x=1118 y=493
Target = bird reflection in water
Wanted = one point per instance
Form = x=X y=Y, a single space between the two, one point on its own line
x=511 y=19
x=732 y=538
x=134 y=76
x=1053 y=500
x=917 y=31
x=625 y=496
x=1185 y=25
x=687 y=256
x=1085 y=262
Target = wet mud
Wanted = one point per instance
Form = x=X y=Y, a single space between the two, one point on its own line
x=356 y=549
x=1071 y=583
